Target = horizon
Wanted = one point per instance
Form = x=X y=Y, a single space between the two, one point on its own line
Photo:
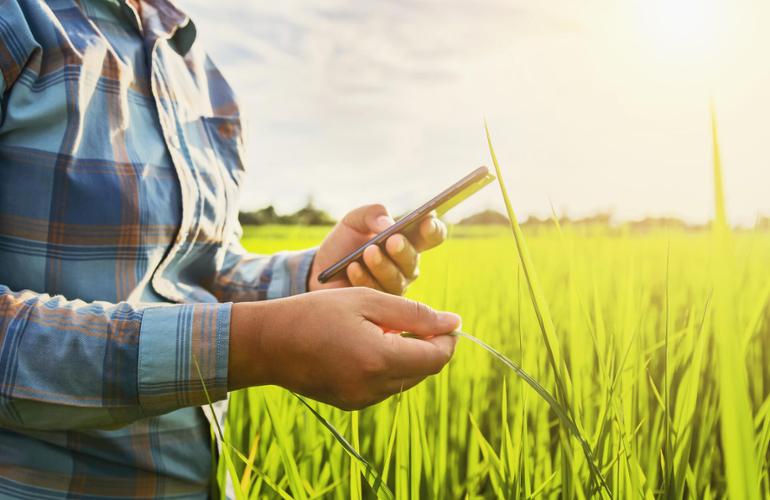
x=762 y=220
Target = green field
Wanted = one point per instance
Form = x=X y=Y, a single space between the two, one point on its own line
x=649 y=328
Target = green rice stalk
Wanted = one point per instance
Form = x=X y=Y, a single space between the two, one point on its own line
x=497 y=473
x=536 y=294
x=391 y=441
x=239 y=493
x=557 y=408
x=736 y=423
x=355 y=471
x=547 y=329
x=370 y=473
x=283 y=438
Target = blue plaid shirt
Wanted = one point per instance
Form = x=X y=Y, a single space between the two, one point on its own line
x=120 y=161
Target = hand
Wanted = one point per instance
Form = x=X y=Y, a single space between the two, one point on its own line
x=390 y=271
x=332 y=346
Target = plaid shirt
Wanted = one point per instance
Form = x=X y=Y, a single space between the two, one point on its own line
x=120 y=161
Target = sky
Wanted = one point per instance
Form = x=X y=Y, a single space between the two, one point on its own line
x=593 y=105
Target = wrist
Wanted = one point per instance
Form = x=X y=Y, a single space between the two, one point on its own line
x=310 y=281
x=248 y=363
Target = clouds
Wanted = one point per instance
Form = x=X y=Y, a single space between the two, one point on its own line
x=356 y=102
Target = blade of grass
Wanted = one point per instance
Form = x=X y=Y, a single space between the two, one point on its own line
x=370 y=474
x=536 y=294
x=355 y=471
x=735 y=405
x=557 y=408
x=286 y=450
x=246 y=478
x=239 y=493
x=391 y=441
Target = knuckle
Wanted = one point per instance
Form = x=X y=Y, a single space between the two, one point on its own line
x=376 y=207
x=420 y=310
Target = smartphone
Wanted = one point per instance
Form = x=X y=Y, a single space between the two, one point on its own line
x=444 y=201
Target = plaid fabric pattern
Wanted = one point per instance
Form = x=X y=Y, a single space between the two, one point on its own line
x=120 y=164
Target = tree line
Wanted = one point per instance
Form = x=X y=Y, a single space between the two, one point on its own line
x=310 y=215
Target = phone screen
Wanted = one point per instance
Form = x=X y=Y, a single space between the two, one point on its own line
x=442 y=203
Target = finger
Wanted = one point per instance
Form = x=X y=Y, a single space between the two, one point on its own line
x=404 y=315
x=401 y=251
x=368 y=219
x=412 y=358
x=384 y=270
x=430 y=233
x=359 y=276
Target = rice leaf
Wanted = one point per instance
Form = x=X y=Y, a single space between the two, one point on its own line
x=535 y=291
x=736 y=423
x=239 y=493
x=391 y=441
x=370 y=474
x=557 y=408
x=286 y=450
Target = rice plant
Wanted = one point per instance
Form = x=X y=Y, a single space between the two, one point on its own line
x=609 y=363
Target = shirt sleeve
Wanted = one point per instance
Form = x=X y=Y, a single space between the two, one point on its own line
x=71 y=364
x=245 y=276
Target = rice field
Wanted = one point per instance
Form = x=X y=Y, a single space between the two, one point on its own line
x=641 y=336
x=652 y=348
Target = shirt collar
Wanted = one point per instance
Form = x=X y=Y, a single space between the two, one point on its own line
x=162 y=20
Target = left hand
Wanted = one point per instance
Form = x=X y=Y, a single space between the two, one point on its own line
x=391 y=270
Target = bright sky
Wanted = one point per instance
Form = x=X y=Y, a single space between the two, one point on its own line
x=593 y=105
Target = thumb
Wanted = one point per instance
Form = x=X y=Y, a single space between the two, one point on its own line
x=403 y=315
x=368 y=219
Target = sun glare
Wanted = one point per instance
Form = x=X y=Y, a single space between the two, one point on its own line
x=683 y=27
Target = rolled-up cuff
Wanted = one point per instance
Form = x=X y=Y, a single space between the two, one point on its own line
x=172 y=341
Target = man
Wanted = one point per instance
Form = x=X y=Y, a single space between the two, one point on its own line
x=121 y=268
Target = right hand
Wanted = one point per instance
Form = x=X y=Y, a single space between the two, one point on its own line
x=331 y=345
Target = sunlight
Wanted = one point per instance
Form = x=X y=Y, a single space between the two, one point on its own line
x=682 y=27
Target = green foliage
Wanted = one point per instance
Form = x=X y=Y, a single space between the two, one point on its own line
x=636 y=359
x=309 y=215
x=607 y=297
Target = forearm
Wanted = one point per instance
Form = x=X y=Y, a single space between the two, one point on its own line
x=248 y=277
x=70 y=364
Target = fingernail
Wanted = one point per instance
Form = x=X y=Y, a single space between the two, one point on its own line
x=431 y=228
x=384 y=222
x=399 y=245
x=450 y=320
x=377 y=257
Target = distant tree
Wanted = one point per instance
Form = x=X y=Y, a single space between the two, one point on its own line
x=260 y=217
x=485 y=218
x=653 y=223
x=309 y=215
